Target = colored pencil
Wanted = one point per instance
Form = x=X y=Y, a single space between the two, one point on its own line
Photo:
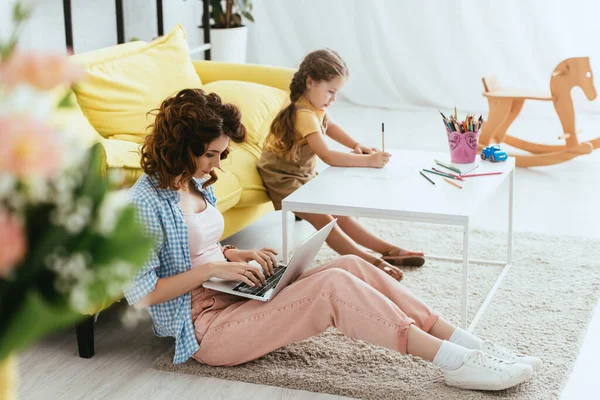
x=439 y=173
x=426 y=177
x=451 y=168
x=453 y=183
x=447 y=173
x=469 y=170
x=484 y=174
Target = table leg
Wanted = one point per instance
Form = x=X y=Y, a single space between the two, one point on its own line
x=284 y=240
x=465 y=280
x=511 y=184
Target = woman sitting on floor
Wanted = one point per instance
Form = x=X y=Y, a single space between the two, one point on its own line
x=176 y=202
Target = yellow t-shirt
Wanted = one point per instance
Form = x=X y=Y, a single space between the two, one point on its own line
x=308 y=119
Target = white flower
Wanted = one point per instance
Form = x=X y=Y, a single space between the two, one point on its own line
x=79 y=300
x=72 y=270
x=16 y=201
x=7 y=185
x=27 y=99
x=113 y=289
x=123 y=270
x=38 y=190
x=72 y=217
x=76 y=153
x=110 y=211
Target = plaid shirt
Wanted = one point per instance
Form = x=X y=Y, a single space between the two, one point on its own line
x=159 y=211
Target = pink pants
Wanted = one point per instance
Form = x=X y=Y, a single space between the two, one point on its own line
x=348 y=293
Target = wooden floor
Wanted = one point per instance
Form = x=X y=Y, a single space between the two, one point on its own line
x=560 y=199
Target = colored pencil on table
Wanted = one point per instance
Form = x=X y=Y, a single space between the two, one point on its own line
x=453 y=183
x=451 y=168
x=447 y=173
x=426 y=177
x=469 y=170
x=483 y=174
x=439 y=173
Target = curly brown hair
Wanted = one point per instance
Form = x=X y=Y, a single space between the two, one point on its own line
x=185 y=125
x=320 y=65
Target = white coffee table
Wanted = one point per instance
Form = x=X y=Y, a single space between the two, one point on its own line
x=399 y=192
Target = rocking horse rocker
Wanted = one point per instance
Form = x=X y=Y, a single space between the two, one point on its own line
x=505 y=104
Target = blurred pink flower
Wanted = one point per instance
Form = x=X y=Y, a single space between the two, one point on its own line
x=28 y=147
x=43 y=71
x=12 y=243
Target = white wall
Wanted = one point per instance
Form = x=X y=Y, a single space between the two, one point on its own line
x=94 y=22
x=401 y=54
x=433 y=53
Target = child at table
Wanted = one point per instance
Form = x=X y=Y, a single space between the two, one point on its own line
x=297 y=137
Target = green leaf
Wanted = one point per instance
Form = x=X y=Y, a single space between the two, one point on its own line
x=8 y=49
x=21 y=12
x=237 y=20
x=95 y=184
x=67 y=100
x=248 y=16
x=217 y=8
x=128 y=242
x=42 y=238
x=35 y=319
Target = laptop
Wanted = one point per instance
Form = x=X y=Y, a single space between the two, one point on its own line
x=282 y=275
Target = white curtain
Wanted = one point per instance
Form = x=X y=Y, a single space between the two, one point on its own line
x=432 y=53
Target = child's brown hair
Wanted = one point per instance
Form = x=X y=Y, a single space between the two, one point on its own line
x=320 y=65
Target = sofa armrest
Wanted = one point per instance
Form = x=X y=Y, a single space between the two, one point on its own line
x=277 y=77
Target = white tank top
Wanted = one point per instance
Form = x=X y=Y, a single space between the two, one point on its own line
x=204 y=231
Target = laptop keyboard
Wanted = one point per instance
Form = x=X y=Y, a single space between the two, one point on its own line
x=271 y=281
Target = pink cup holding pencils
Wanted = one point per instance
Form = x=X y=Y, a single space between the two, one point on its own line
x=463 y=146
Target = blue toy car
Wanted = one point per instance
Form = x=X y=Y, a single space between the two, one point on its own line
x=493 y=153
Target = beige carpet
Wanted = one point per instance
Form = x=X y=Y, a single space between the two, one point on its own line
x=542 y=308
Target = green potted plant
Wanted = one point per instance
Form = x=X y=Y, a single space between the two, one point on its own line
x=228 y=34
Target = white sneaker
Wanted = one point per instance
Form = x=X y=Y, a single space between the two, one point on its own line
x=481 y=371
x=500 y=352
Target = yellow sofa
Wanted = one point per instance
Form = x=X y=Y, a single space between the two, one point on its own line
x=260 y=92
x=123 y=83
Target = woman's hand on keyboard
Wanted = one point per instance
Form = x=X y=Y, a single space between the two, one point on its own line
x=238 y=271
x=265 y=257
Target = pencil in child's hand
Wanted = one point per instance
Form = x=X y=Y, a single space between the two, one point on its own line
x=382 y=138
x=453 y=183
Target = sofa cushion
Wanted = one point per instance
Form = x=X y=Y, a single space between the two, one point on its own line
x=100 y=55
x=120 y=89
x=227 y=190
x=241 y=162
x=259 y=105
x=121 y=153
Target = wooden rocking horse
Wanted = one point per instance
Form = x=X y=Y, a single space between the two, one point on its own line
x=505 y=104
